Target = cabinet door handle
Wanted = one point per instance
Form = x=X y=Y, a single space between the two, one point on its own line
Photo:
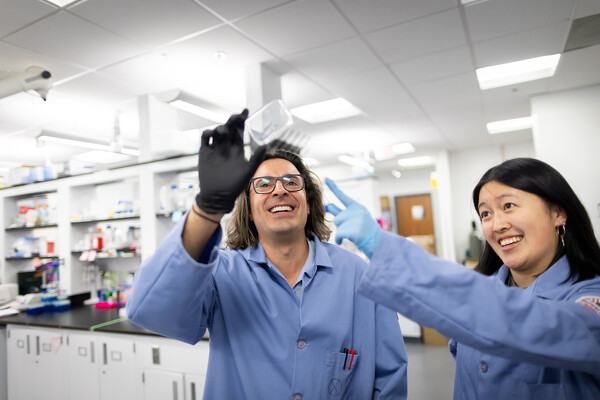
x=37 y=345
x=193 y=390
x=28 y=348
x=92 y=352
x=175 y=390
x=104 y=355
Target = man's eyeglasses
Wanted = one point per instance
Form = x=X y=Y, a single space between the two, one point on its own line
x=266 y=184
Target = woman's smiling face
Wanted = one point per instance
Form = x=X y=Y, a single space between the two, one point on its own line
x=520 y=227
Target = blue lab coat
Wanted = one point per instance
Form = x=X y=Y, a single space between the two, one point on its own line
x=542 y=342
x=264 y=342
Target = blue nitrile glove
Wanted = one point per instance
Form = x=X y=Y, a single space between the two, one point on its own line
x=222 y=167
x=354 y=223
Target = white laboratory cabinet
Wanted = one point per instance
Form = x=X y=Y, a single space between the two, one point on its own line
x=102 y=366
x=63 y=364
x=172 y=370
x=37 y=359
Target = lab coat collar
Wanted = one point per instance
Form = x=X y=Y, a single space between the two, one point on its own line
x=554 y=276
x=258 y=258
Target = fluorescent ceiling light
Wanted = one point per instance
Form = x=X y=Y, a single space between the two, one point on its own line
x=323 y=111
x=200 y=111
x=61 y=3
x=356 y=162
x=101 y=157
x=516 y=72
x=415 y=162
x=86 y=144
x=510 y=125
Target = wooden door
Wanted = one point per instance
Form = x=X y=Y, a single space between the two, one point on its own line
x=414 y=215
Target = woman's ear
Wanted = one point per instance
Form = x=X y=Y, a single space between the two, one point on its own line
x=559 y=214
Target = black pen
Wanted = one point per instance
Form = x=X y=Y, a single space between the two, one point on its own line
x=345 y=351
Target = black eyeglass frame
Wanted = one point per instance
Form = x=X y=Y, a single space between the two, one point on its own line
x=278 y=178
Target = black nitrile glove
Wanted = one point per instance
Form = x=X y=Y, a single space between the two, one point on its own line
x=222 y=168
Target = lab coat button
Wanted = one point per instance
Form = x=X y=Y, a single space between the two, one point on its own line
x=297 y=396
x=301 y=344
x=483 y=367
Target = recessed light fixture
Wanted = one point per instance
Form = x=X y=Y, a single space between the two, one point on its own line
x=517 y=72
x=200 y=111
x=61 y=3
x=415 y=162
x=356 y=162
x=85 y=144
x=324 y=111
x=510 y=125
x=220 y=55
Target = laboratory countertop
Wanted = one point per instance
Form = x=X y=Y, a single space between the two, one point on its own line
x=85 y=317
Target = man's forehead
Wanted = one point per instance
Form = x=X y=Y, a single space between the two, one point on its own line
x=275 y=167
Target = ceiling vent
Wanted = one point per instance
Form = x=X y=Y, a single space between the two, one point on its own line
x=584 y=32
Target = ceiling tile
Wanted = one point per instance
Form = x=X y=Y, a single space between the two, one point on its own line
x=233 y=9
x=284 y=30
x=532 y=43
x=298 y=90
x=574 y=69
x=17 y=59
x=433 y=66
x=418 y=37
x=377 y=93
x=441 y=89
x=332 y=60
x=367 y=16
x=586 y=8
x=17 y=14
x=71 y=39
x=100 y=88
x=201 y=49
x=170 y=19
x=490 y=19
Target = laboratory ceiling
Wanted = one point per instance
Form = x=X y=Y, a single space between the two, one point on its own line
x=407 y=65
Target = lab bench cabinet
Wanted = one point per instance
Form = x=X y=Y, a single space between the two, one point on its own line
x=36 y=360
x=102 y=366
x=63 y=364
x=172 y=370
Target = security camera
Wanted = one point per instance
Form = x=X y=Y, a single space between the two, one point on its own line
x=34 y=78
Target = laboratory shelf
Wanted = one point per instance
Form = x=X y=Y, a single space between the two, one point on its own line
x=31 y=258
x=93 y=221
x=26 y=228
x=125 y=253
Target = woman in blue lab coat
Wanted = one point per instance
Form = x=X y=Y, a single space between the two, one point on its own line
x=528 y=325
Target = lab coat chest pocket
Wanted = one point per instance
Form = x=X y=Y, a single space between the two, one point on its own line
x=337 y=379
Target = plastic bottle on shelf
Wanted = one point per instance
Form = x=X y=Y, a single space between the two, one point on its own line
x=38 y=215
x=118 y=237
x=164 y=199
x=107 y=233
x=98 y=240
x=45 y=215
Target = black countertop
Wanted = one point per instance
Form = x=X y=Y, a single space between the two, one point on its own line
x=86 y=317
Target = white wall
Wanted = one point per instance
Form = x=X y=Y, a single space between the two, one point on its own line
x=567 y=136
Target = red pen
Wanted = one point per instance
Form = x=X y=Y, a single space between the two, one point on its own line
x=351 y=358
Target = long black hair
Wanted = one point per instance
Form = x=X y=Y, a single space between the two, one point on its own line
x=537 y=177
